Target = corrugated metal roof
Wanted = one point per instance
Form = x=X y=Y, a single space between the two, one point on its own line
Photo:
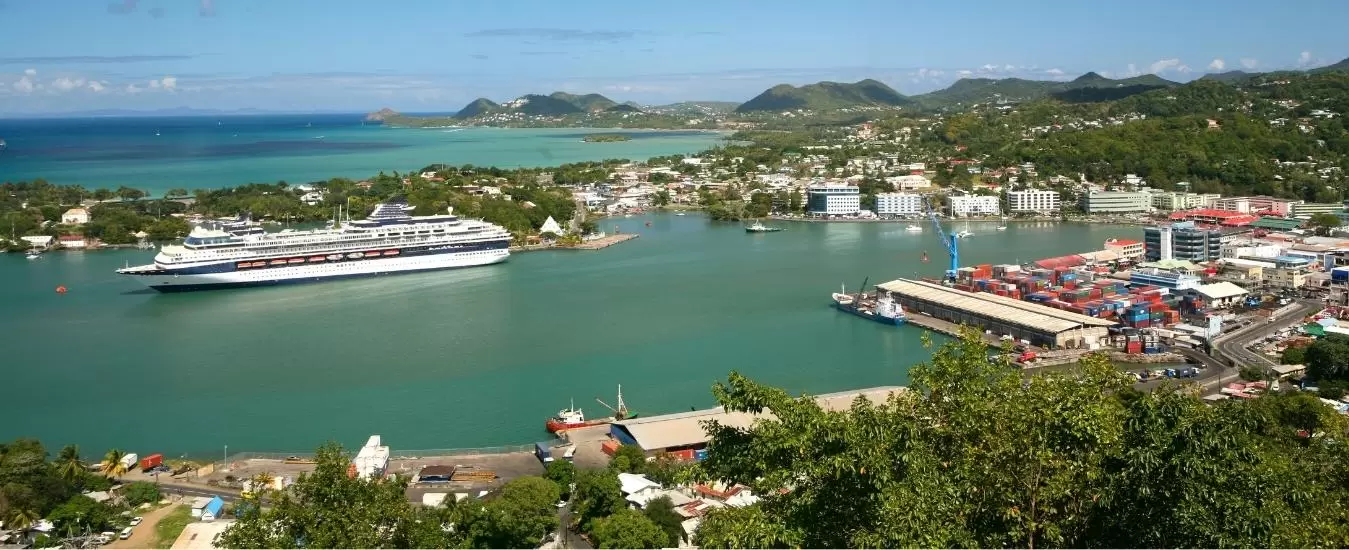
x=1218 y=291
x=685 y=429
x=1000 y=308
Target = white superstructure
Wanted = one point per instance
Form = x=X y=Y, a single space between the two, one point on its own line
x=390 y=240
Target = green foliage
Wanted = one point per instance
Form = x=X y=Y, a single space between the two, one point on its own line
x=563 y=473
x=81 y=513
x=597 y=495
x=726 y=211
x=628 y=459
x=68 y=464
x=628 y=528
x=140 y=492
x=1324 y=222
x=1251 y=373
x=1332 y=389
x=112 y=466
x=1328 y=358
x=519 y=516
x=661 y=512
x=1293 y=355
x=970 y=456
x=172 y=525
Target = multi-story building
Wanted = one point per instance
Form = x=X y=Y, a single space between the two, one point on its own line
x=1181 y=241
x=974 y=205
x=833 y=199
x=898 y=204
x=1257 y=204
x=1290 y=277
x=1126 y=248
x=1116 y=202
x=1041 y=201
x=911 y=181
x=1172 y=200
x=1309 y=209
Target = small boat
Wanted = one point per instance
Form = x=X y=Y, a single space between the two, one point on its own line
x=572 y=417
x=964 y=234
x=759 y=227
x=390 y=252
x=914 y=228
x=679 y=214
x=156 y=132
x=1002 y=228
x=356 y=255
x=3 y=145
x=33 y=254
x=334 y=257
x=318 y=259
x=295 y=261
x=278 y=262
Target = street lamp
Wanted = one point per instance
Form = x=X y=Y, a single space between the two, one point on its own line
x=227 y=458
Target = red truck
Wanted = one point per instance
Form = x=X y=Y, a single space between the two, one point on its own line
x=151 y=461
x=1026 y=357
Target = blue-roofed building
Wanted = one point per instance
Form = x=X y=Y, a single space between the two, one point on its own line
x=1173 y=281
x=212 y=509
x=1293 y=262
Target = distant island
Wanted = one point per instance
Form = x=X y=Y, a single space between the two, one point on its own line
x=606 y=138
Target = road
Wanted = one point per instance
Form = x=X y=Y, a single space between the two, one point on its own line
x=1232 y=347
x=143 y=535
x=227 y=495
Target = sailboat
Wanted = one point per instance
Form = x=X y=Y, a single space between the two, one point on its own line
x=1002 y=226
x=965 y=232
x=156 y=132
x=925 y=256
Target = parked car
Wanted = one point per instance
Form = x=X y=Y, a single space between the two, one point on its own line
x=136 y=521
x=126 y=534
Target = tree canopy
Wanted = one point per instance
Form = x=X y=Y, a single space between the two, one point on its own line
x=628 y=528
x=970 y=456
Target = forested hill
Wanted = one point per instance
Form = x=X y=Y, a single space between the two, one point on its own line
x=1090 y=87
x=825 y=96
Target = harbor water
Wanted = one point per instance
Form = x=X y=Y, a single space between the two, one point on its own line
x=469 y=358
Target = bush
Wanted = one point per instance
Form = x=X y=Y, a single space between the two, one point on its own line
x=140 y=492
x=1294 y=356
x=1332 y=389
x=1252 y=373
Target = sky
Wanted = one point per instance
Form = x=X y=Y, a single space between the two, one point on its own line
x=63 y=56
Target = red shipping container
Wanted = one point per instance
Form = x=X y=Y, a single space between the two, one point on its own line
x=1134 y=347
x=609 y=447
x=1143 y=324
x=152 y=461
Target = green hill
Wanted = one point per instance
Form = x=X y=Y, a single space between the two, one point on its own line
x=623 y=108
x=1090 y=87
x=587 y=102
x=535 y=104
x=1229 y=77
x=697 y=107
x=825 y=96
x=1342 y=66
x=478 y=107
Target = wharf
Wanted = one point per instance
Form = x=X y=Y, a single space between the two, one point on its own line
x=948 y=328
x=604 y=242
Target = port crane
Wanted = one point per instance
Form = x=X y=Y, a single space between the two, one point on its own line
x=621 y=411
x=947 y=241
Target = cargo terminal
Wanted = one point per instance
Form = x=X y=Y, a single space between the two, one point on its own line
x=1040 y=325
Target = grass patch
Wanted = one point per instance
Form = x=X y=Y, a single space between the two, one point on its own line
x=168 y=529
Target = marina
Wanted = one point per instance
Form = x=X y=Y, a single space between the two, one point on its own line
x=289 y=367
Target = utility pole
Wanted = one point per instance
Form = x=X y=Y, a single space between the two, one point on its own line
x=227 y=457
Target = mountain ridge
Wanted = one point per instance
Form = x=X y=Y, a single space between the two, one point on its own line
x=825 y=95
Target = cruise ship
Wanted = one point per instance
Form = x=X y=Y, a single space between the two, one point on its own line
x=390 y=240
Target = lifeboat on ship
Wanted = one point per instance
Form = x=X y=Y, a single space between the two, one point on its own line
x=317 y=259
x=334 y=257
x=278 y=262
x=356 y=255
x=390 y=252
x=295 y=261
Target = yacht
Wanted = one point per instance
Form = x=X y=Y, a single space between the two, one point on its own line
x=390 y=240
x=914 y=228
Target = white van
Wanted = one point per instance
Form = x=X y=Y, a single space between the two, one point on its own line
x=126 y=534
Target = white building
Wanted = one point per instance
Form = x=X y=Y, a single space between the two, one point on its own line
x=898 y=204
x=1171 y=200
x=833 y=199
x=550 y=226
x=75 y=216
x=905 y=183
x=1115 y=202
x=1040 y=201
x=312 y=198
x=974 y=205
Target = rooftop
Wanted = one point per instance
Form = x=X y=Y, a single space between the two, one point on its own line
x=1218 y=291
x=200 y=535
x=1000 y=308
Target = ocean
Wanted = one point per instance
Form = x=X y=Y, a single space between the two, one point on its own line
x=467 y=358
x=162 y=153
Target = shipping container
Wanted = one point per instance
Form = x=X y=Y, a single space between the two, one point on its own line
x=152 y=461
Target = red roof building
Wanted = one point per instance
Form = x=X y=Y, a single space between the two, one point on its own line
x=1211 y=216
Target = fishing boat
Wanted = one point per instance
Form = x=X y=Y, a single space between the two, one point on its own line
x=759 y=227
x=33 y=254
x=914 y=228
x=572 y=417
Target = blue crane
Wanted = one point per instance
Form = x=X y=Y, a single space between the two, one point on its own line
x=948 y=241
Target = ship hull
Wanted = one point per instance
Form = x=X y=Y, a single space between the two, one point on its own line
x=170 y=282
x=554 y=426
x=848 y=308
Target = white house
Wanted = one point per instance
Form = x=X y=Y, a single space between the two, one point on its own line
x=72 y=241
x=37 y=241
x=312 y=198
x=974 y=205
x=912 y=181
x=75 y=216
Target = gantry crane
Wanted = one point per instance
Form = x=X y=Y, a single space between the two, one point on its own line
x=947 y=241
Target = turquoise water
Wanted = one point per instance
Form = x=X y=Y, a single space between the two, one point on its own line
x=202 y=152
x=467 y=358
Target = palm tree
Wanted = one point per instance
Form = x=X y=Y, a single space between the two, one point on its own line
x=68 y=464
x=262 y=482
x=112 y=463
x=21 y=519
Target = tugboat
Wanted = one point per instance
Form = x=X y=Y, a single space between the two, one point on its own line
x=759 y=227
x=880 y=307
x=572 y=417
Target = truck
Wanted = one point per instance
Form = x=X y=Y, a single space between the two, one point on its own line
x=151 y=461
x=129 y=461
x=1026 y=357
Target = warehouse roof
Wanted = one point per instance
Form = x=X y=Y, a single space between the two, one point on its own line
x=999 y=308
x=1218 y=291
x=686 y=429
x=1282 y=224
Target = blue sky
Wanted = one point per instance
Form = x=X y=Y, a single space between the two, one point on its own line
x=436 y=55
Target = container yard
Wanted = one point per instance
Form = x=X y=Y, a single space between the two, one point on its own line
x=1084 y=290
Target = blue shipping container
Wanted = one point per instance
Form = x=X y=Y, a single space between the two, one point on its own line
x=700 y=454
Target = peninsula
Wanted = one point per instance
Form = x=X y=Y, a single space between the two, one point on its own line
x=606 y=138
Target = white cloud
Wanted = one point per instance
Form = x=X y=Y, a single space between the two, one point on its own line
x=25 y=85
x=1217 y=65
x=96 y=86
x=132 y=89
x=963 y=72
x=154 y=83
x=926 y=73
x=1131 y=71
x=66 y=84
x=1304 y=59
x=169 y=82
x=1249 y=63
x=1055 y=72
x=1168 y=65
x=30 y=72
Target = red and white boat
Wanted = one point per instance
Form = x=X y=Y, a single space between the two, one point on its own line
x=572 y=417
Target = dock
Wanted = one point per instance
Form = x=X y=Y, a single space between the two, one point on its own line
x=604 y=242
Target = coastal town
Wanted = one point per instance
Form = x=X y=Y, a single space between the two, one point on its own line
x=1096 y=310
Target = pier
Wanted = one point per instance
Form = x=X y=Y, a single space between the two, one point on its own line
x=604 y=242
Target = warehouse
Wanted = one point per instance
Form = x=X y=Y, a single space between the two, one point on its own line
x=673 y=433
x=1037 y=324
